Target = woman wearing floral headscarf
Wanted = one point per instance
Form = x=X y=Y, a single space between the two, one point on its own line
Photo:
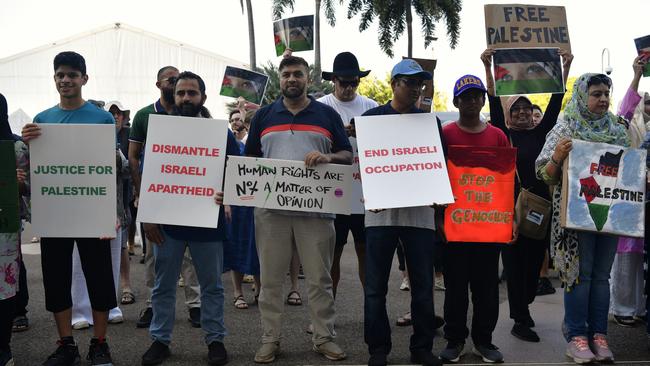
x=583 y=259
x=10 y=242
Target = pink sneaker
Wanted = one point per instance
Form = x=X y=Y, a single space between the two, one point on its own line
x=601 y=349
x=578 y=350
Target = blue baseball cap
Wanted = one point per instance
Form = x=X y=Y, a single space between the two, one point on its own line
x=408 y=67
x=467 y=82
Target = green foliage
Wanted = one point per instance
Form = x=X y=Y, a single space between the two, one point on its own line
x=376 y=89
x=392 y=16
x=543 y=99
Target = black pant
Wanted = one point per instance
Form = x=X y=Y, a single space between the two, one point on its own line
x=6 y=321
x=56 y=260
x=522 y=262
x=475 y=265
x=381 y=243
x=22 y=297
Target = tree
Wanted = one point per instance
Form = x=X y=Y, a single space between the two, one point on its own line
x=543 y=99
x=251 y=33
x=396 y=15
x=279 y=6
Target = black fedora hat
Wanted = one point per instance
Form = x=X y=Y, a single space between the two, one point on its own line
x=345 y=64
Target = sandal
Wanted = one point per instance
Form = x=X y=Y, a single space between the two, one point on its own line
x=294 y=298
x=127 y=297
x=404 y=320
x=20 y=324
x=240 y=303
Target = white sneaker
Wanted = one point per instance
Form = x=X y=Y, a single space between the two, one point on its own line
x=81 y=325
x=116 y=320
x=405 y=286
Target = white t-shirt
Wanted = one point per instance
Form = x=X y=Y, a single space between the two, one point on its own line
x=349 y=110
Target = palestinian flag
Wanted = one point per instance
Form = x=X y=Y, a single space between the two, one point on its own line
x=592 y=187
x=527 y=71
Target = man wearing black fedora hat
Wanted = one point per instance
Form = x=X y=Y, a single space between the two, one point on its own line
x=345 y=100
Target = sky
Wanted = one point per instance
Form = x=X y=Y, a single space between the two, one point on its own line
x=220 y=27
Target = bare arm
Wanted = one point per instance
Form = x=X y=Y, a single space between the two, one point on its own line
x=567 y=59
x=135 y=148
x=486 y=57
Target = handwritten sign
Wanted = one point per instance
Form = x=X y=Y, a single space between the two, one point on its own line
x=9 y=207
x=182 y=171
x=288 y=185
x=356 y=203
x=524 y=26
x=400 y=169
x=73 y=181
x=603 y=189
x=483 y=181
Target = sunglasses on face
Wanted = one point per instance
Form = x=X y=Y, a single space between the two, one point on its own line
x=348 y=83
x=412 y=83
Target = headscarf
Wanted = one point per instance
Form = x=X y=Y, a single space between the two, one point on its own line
x=646 y=116
x=639 y=123
x=517 y=126
x=5 y=129
x=588 y=126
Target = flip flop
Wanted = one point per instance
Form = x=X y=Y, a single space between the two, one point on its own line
x=404 y=320
x=127 y=297
x=240 y=303
x=294 y=300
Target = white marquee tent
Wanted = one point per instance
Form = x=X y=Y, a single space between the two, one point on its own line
x=122 y=62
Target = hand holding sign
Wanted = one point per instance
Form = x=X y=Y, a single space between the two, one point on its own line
x=316 y=157
x=30 y=131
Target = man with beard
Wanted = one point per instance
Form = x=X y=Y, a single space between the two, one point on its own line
x=297 y=127
x=167 y=77
x=205 y=245
x=414 y=228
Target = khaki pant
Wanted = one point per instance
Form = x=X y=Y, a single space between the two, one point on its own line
x=314 y=238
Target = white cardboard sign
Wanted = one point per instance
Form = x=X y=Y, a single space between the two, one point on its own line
x=288 y=185
x=183 y=169
x=73 y=183
x=402 y=162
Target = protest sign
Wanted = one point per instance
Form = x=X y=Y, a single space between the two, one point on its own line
x=288 y=185
x=73 y=181
x=527 y=71
x=356 y=203
x=182 y=171
x=483 y=181
x=523 y=26
x=603 y=189
x=296 y=33
x=401 y=161
x=9 y=207
x=243 y=83
x=643 y=48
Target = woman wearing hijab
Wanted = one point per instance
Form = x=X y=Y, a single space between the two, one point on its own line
x=523 y=259
x=583 y=259
x=628 y=302
x=10 y=242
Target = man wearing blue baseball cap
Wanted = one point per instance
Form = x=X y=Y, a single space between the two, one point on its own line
x=414 y=226
x=473 y=265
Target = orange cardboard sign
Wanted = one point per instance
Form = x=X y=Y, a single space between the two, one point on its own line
x=483 y=183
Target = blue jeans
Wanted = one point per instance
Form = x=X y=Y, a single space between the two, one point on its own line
x=586 y=306
x=381 y=242
x=208 y=263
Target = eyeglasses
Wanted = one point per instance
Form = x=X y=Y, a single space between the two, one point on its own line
x=171 y=80
x=412 y=83
x=348 y=83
